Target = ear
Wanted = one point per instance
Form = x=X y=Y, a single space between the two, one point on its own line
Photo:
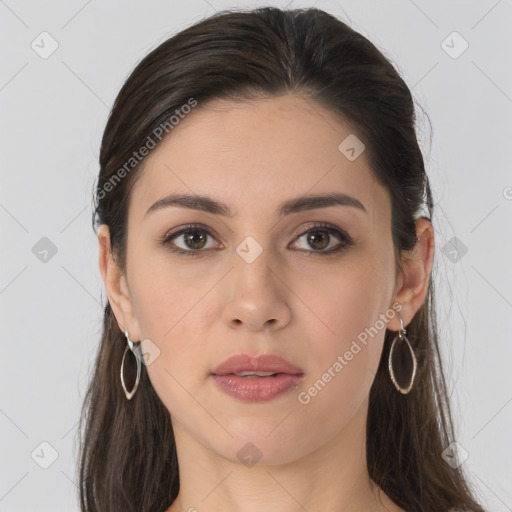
x=413 y=282
x=116 y=285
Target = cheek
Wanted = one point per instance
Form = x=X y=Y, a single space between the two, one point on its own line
x=346 y=331
x=343 y=365
x=164 y=294
x=169 y=312
x=345 y=300
x=343 y=370
x=170 y=304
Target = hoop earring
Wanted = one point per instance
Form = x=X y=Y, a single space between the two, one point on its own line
x=401 y=374
x=130 y=345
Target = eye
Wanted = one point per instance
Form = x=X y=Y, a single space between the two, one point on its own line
x=194 y=239
x=319 y=237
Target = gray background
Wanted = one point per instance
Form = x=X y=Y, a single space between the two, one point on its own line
x=53 y=113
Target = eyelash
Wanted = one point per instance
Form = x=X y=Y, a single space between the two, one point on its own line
x=346 y=240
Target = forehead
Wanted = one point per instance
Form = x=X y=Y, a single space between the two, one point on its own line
x=258 y=153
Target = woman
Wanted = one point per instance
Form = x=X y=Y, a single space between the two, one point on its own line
x=269 y=340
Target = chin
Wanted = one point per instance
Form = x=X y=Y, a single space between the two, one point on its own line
x=261 y=444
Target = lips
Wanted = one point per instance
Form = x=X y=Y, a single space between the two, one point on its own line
x=257 y=379
x=264 y=365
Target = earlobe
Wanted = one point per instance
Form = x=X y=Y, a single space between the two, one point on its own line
x=115 y=282
x=415 y=278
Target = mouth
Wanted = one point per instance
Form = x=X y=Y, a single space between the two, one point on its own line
x=256 y=379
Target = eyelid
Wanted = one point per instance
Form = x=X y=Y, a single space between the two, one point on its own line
x=327 y=226
x=189 y=227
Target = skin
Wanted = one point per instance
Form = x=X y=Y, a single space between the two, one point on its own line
x=200 y=310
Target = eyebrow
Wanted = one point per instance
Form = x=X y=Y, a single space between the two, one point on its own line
x=209 y=205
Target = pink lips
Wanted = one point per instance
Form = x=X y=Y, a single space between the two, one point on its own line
x=256 y=389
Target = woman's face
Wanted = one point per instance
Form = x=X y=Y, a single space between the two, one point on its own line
x=254 y=283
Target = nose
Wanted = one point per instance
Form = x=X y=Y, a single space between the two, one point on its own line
x=256 y=295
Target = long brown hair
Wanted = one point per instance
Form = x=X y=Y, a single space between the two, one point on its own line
x=128 y=456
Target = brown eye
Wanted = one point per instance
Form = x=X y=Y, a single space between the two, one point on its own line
x=190 y=240
x=320 y=237
x=194 y=239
